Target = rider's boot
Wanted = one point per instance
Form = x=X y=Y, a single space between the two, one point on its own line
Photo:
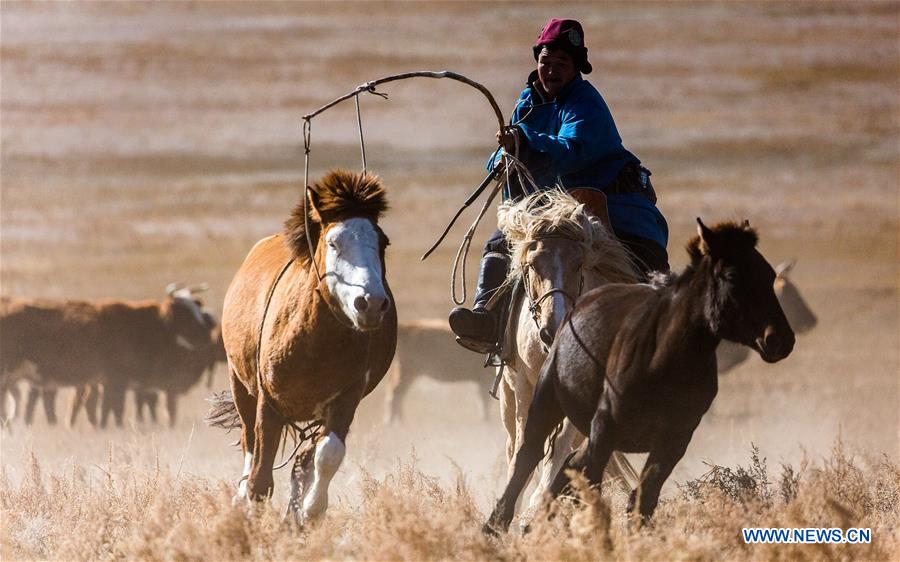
x=477 y=328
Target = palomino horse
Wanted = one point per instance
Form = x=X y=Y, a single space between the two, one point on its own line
x=634 y=366
x=558 y=250
x=305 y=347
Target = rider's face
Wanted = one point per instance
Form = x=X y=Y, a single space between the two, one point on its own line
x=555 y=70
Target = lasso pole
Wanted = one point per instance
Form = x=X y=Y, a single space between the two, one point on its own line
x=370 y=88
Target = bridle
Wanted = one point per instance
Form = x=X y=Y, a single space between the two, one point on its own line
x=534 y=304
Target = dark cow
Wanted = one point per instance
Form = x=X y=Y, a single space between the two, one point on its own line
x=81 y=343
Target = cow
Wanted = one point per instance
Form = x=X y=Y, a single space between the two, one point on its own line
x=801 y=318
x=427 y=348
x=185 y=370
x=87 y=343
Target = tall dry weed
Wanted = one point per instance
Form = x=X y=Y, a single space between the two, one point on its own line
x=122 y=512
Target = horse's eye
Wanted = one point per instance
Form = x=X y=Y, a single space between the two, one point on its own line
x=331 y=244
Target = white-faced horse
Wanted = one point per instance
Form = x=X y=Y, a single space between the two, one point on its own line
x=307 y=336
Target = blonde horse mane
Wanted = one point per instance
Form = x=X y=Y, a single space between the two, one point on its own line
x=556 y=213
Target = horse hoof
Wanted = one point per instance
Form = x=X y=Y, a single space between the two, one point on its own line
x=489 y=531
x=292 y=519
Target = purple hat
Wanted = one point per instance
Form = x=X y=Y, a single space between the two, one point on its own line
x=568 y=36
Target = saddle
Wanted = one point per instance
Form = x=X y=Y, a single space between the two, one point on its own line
x=595 y=202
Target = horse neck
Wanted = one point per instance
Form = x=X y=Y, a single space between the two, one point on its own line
x=688 y=308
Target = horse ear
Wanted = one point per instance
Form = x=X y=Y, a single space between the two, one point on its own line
x=785 y=267
x=312 y=199
x=706 y=236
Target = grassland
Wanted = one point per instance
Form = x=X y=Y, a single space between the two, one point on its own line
x=144 y=143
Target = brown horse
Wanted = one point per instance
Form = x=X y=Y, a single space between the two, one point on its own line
x=634 y=366
x=307 y=336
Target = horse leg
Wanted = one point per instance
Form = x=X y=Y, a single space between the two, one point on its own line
x=246 y=409
x=524 y=393
x=301 y=477
x=33 y=394
x=593 y=456
x=267 y=433
x=568 y=439
x=48 y=395
x=330 y=449
x=508 y=413
x=662 y=460
x=171 y=407
x=544 y=414
x=621 y=471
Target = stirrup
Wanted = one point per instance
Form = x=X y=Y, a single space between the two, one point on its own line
x=478 y=346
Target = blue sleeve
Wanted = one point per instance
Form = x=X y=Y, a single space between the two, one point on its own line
x=516 y=115
x=586 y=134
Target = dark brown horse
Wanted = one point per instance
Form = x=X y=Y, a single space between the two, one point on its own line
x=307 y=336
x=634 y=366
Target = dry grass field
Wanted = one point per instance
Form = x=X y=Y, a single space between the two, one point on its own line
x=144 y=143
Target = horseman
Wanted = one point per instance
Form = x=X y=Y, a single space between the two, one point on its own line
x=563 y=132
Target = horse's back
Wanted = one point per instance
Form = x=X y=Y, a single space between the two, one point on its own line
x=245 y=303
x=607 y=323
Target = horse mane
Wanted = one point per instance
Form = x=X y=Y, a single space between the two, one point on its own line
x=339 y=195
x=730 y=237
x=556 y=213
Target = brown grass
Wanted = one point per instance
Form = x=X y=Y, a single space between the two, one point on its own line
x=123 y=512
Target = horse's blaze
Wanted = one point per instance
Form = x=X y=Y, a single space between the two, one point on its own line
x=353 y=272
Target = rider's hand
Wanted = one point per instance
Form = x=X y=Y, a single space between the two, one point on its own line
x=507 y=139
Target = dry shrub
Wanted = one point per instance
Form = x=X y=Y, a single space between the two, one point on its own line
x=121 y=512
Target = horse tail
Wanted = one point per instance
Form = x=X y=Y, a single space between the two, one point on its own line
x=222 y=411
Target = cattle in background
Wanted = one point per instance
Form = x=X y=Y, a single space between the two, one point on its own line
x=427 y=348
x=801 y=318
x=185 y=370
x=81 y=343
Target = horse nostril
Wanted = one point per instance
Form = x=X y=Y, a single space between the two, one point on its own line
x=546 y=336
x=385 y=304
x=360 y=304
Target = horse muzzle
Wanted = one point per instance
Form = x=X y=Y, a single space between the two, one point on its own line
x=773 y=345
x=369 y=311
